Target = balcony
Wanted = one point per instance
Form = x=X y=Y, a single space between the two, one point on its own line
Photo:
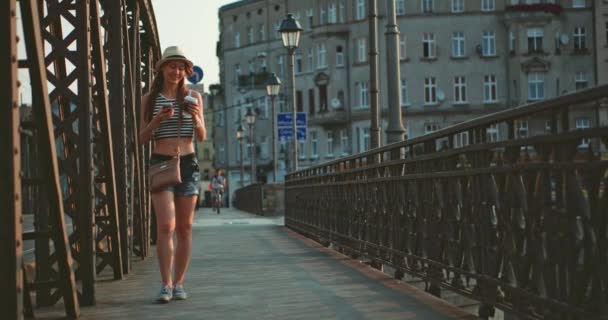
x=329 y=117
x=253 y=80
x=553 y=8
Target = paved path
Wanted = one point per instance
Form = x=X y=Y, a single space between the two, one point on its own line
x=249 y=267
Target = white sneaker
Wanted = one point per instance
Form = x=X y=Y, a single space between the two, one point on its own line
x=165 y=295
x=179 y=293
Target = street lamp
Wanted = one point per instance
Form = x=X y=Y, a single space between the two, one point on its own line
x=273 y=86
x=290 y=33
x=250 y=119
x=239 y=137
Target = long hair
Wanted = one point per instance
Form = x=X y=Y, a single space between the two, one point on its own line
x=157 y=87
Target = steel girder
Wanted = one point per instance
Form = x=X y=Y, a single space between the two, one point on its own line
x=72 y=165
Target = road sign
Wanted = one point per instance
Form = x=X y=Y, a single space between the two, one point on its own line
x=196 y=76
x=284 y=119
x=286 y=134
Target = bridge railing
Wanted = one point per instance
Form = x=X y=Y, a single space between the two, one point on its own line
x=509 y=209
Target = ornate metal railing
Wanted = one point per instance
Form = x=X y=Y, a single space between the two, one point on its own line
x=86 y=62
x=516 y=221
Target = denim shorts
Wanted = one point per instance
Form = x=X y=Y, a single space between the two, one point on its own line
x=189 y=170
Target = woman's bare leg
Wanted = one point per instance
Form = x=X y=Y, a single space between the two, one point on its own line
x=184 y=216
x=164 y=209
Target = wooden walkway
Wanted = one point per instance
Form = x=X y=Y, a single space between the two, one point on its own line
x=249 y=267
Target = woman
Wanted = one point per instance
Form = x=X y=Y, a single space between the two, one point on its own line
x=174 y=206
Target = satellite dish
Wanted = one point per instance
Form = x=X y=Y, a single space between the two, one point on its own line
x=440 y=95
x=563 y=39
x=335 y=103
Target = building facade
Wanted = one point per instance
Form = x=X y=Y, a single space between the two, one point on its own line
x=459 y=59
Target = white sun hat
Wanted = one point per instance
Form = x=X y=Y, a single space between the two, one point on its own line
x=172 y=53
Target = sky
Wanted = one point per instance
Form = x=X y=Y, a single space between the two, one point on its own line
x=193 y=26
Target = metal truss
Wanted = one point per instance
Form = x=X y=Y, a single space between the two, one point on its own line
x=81 y=154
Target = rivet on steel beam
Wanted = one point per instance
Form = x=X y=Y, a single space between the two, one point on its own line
x=19 y=289
x=13 y=13
x=18 y=243
x=15 y=105
x=18 y=83
x=17 y=38
x=13 y=59
x=16 y=151
x=16 y=197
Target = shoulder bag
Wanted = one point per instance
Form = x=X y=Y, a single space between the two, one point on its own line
x=166 y=173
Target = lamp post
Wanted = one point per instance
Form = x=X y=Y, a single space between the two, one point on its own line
x=250 y=119
x=239 y=137
x=290 y=33
x=273 y=86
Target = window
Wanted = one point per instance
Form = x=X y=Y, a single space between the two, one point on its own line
x=400 y=7
x=237 y=72
x=309 y=60
x=405 y=100
x=322 y=98
x=309 y=18
x=322 y=15
x=522 y=128
x=314 y=143
x=428 y=45
x=364 y=94
x=219 y=119
x=265 y=147
x=364 y=140
x=298 y=63
x=250 y=38
x=265 y=107
x=535 y=40
x=457 y=6
x=427 y=6
x=261 y=32
x=460 y=90
x=402 y=47
x=321 y=56
x=281 y=67
x=580 y=80
x=431 y=127
x=458 y=44
x=344 y=141
x=511 y=42
x=488 y=5
x=277 y=26
x=536 y=86
x=331 y=13
x=578 y=3
x=488 y=44
x=579 y=39
x=330 y=144
x=430 y=91
x=489 y=88
x=606 y=33
x=339 y=56
x=302 y=150
x=582 y=124
x=461 y=139
x=360 y=14
x=361 y=50
x=341 y=12
x=299 y=101
x=492 y=133
x=237 y=39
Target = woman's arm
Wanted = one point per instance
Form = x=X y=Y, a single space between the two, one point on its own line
x=147 y=128
x=199 y=120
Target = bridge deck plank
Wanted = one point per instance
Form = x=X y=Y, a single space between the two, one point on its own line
x=248 y=267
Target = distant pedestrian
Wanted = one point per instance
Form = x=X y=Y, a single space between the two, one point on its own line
x=170 y=117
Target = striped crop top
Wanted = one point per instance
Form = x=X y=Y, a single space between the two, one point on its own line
x=168 y=128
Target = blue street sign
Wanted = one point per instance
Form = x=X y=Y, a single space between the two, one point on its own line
x=286 y=134
x=284 y=119
x=196 y=76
